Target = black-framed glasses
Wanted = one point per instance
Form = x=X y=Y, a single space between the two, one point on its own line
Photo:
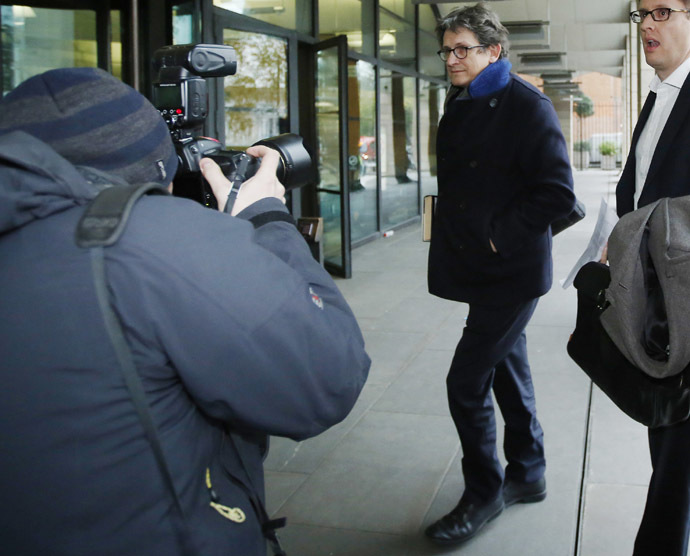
x=658 y=14
x=459 y=51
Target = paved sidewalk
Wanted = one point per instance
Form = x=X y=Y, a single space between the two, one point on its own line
x=370 y=485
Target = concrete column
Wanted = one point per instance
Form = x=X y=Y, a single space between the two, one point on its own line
x=564 y=108
x=637 y=76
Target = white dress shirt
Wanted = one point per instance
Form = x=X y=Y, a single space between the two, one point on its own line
x=666 y=95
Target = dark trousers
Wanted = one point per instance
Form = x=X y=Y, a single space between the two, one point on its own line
x=492 y=353
x=666 y=520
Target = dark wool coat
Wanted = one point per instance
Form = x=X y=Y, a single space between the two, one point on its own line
x=503 y=175
x=231 y=328
x=669 y=172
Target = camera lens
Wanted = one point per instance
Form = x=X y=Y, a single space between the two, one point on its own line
x=296 y=167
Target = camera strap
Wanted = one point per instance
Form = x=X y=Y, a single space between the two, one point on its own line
x=237 y=182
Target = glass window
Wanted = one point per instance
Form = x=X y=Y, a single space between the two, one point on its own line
x=398 y=149
x=35 y=40
x=256 y=102
x=431 y=98
x=328 y=153
x=185 y=23
x=115 y=44
x=290 y=14
x=429 y=62
x=353 y=18
x=396 y=32
x=362 y=151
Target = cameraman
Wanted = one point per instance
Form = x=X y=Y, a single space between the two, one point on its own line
x=236 y=332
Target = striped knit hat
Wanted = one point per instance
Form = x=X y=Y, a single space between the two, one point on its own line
x=93 y=119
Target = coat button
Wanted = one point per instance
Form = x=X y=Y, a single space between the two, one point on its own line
x=493 y=102
x=473 y=164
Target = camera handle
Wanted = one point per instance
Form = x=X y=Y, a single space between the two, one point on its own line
x=237 y=181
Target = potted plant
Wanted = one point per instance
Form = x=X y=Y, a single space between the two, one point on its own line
x=608 y=151
x=581 y=157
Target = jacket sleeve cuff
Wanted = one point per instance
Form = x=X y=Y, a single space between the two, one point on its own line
x=269 y=204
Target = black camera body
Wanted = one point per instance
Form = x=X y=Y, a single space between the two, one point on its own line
x=180 y=94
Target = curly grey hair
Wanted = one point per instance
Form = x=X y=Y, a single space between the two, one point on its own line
x=480 y=20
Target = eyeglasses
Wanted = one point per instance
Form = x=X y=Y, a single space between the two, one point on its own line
x=459 y=51
x=658 y=14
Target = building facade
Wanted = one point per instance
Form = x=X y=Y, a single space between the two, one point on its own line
x=359 y=80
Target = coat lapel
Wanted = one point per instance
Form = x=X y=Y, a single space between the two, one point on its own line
x=676 y=120
x=626 y=185
x=642 y=120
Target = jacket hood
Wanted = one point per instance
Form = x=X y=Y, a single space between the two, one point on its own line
x=36 y=182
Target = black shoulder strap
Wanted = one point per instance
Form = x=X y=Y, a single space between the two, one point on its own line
x=136 y=388
x=100 y=226
x=105 y=218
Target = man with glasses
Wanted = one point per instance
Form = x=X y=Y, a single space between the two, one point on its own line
x=503 y=177
x=658 y=165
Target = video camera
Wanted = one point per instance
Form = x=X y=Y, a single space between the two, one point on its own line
x=181 y=96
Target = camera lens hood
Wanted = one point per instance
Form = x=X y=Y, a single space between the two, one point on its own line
x=296 y=166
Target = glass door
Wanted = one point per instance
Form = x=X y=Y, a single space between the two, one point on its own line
x=255 y=99
x=331 y=134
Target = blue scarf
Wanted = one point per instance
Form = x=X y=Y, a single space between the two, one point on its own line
x=491 y=79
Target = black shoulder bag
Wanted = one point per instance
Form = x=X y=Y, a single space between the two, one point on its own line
x=651 y=401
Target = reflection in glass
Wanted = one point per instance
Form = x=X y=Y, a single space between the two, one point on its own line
x=185 y=23
x=256 y=103
x=328 y=152
x=429 y=62
x=398 y=149
x=115 y=44
x=352 y=18
x=329 y=208
x=431 y=98
x=38 y=39
x=327 y=119
x=396 y=32
x=291 y=14
x=362 y=149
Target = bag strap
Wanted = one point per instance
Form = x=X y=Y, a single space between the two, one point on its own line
x=101 y=226
x=268 y=525
x=105 y=218
x=136 y=388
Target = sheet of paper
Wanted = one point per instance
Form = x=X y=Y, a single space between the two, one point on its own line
x=605 y=222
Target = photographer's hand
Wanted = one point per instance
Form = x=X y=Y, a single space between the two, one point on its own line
x=260 y=186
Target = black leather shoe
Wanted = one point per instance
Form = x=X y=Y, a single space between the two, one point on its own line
x=464 y=522
x=524 y=493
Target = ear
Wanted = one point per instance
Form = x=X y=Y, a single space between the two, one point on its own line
x=494 y=51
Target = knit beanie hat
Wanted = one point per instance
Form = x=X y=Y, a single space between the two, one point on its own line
x=93 y=119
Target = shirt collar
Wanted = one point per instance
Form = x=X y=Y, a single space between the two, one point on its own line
x=676 y=79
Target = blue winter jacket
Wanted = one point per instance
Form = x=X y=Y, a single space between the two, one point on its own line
x=232 y=329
